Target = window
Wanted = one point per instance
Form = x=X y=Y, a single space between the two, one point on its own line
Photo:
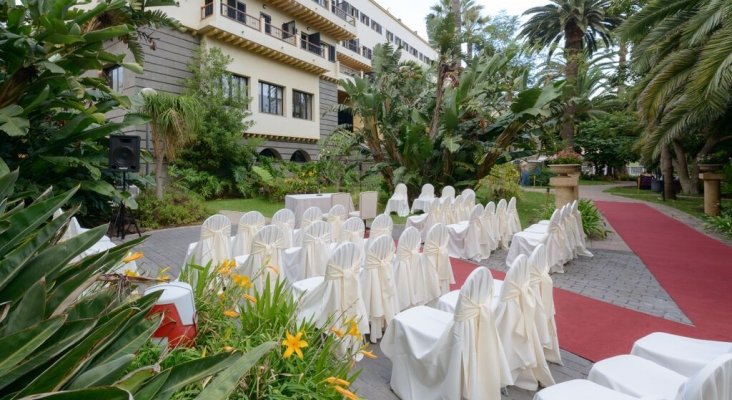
x=236 y=87
x=398 y=41
x=271 y=98
x=376 y=26
x=236 y=10
x=354 y=12
x=330 y=51
x=114 y=77
x=414 y=52
x=365 y=19
x=302 y=105
x=389 y=36
x=366 y=52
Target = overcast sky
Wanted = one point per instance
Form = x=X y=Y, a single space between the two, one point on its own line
x=413 y=12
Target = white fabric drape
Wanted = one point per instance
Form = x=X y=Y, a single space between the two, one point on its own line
x=336 y=217
x=423 y=202
x=490 y=238
x=339 y=295
x=378 y=288
x=423 y=223
x=381 y=225
x=581 y=389
x=315 y=250
x=513 y=221
x=437 y=355
x=265 y=260
x=448 y=192
x=353 y=231
x=517 y=329
x=406 y=266
x=581 y=246
x=248 y=226
x=214 y=244
x=398 y=202
x=285 y=220
x=542 y=288
x=504 y=236
x=684 y=355
x=466 y=236
x=310 y=215
x=554 y=240
x=435 y=255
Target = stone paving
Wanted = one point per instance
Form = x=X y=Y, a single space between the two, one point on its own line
x=614 y=275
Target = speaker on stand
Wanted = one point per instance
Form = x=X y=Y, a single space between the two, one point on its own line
x=124 y=157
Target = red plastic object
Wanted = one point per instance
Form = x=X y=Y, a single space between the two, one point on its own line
x=172 y=329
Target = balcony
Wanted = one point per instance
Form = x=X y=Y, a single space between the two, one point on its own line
x=321 y=15
x=234 y=26
x=355 y=56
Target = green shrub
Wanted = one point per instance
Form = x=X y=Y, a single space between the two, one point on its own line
x=203 y=183
x=175 y=209
x=540 y=176
x=721 y=223
x=592 y=221
x=501 y=183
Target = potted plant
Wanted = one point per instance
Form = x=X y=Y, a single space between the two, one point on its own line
x=713 y=162
x=565 y=162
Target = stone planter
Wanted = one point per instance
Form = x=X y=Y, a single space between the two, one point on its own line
x=709 y=167
x=565 y=169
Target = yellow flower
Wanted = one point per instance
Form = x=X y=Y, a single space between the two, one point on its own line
x=353 y=328
x=338 y=332
x=132 y=274
x=228 y=349
x=346 y=393
x=250 y=298
x=368 y=354
x=242 y=281
x=337 y=381
x=294 y=344
x=274 y=269
x=162 y=274
x=132 y=257
x=231 y=313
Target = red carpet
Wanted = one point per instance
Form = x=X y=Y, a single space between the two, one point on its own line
x=694 y=269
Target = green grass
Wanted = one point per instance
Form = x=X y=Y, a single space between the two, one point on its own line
x=587 y=182
x=266 y=207
x=531 y=205
x=693 y=205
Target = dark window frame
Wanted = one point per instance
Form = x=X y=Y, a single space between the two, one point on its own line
x=274 y=105
x=302 y=105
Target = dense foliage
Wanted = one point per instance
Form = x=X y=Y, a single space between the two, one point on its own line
x=176 y=208
x=608 y=142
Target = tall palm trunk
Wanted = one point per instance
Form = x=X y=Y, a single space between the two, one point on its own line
x=439 y=93
x=622 y=67
x=159 y=155
x=688 y=184
x=667 y=171
x=572 y=49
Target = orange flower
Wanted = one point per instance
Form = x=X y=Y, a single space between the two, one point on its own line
x=274 y=269
x=231 y=313
x=242 y=281
x=368 y=354
x=294 y=344
x=338 y=332
x=250 y=298
x=132 y=257
x=346 y=393
x=132 y=274
x=337 y=381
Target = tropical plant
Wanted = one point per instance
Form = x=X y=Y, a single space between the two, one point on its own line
x=565 y=156
x=593 y=223
x=174 y=122
x=177 y=208
x=67 y=327
x=502 y=183
x=607 y=141
x=579 y=24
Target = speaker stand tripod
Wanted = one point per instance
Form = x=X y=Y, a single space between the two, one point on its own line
x=119 y=223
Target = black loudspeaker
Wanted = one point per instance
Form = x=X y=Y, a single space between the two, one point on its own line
x=124 y=153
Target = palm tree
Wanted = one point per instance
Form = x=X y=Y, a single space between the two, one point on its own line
x=175 y=120
x=578 y=23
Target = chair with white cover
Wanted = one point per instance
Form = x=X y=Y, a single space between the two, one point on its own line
x=406 y=265
x=542 y=287
x=439 y=355
x=367 y=204
x=638 y=377
x=490 y=239
x=343 y=199
x=435 y=256
x=378 y=288
x=502 y=218
x=248 y=226
x=512 y=217
x=467 y=204
x=337 y=294
x=285 y=219
x=581 y=389
x=448 y=192
x=465 y=237
x=399 y=201
x=454 y=211
x=581 y=246
x=565 y=228
x=310 y=259
x=214 y=244
x=517 y=328
x=381 y=225
x=685 y=355
x=423 y=202
x=424 y=222
x=554 y=241
x=310 y=215
x=265 y=259
x=353 y=231
x=336 y=217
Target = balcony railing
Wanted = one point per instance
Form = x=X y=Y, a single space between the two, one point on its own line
x=240 y=16
x=207 y=10
x=315 y=48
x=349 y=71
x=351 y=45
x=278 y=33
x=341 y=13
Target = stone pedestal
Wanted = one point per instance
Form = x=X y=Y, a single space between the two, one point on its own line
x=712 y=197
x=565 y=189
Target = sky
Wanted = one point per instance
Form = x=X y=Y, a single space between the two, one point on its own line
x=413 y=12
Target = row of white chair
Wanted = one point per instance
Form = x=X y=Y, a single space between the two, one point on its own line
x=563 y=235
x=486 y=336
x=399 y=201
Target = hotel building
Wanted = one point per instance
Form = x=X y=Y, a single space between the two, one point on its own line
x=288 y=57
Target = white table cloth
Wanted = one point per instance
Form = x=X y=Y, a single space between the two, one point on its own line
x=580 y=389
x=298 y=203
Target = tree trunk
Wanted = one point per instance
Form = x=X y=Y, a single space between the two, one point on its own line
x=667 y=171
x=572 y=51
x=688 y=186
x=622 y=67
x=159 y=181
x=456 y=15
x=439 y=92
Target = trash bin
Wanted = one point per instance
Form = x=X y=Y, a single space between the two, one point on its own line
x=657 y=185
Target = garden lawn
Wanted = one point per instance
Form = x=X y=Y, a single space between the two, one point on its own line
x=531 y=206
x=693 y=205
x=266 y=207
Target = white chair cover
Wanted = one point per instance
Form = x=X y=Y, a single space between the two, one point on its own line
x=406 y=266
x=513 y=221
x=214 y=245
x=542 y=287
x=399 y=201
x=517 y=328
x=502 y=219
x=448 y=192
x=73 y=228
x=437 y=355
x=424 y=222
x=336 y=217
x=339 y=295
x=554 y=241
x=381 y=225
x=581 y=246
x=465 y=237
x=353 y=231
x=423 y=202
x=490 y=238
x=265 y=260
x=580 y=389
x=637 y=377
x=378 y=288
x=285 y=219
x=248 y=226
x=435 y=255
x=310 y=259
x=682 y=354
x=468 y=202
x=310 y=215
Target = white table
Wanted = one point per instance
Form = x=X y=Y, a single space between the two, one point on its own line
x=298 y=203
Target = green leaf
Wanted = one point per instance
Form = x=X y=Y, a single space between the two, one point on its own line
x=7 y=181
x=134 y=67
x=29 y=311
x=12 y=122
x=227 y=380
x=135 y=379
x=51 y=67
x=106 y=33
x=14 y=348
x=103 y=373
x=190 y=372
x=152 y=387
x=139 y=329
x=106 y=393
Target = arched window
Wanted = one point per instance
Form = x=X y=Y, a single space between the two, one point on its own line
x=300 y=156
x=270 y=152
